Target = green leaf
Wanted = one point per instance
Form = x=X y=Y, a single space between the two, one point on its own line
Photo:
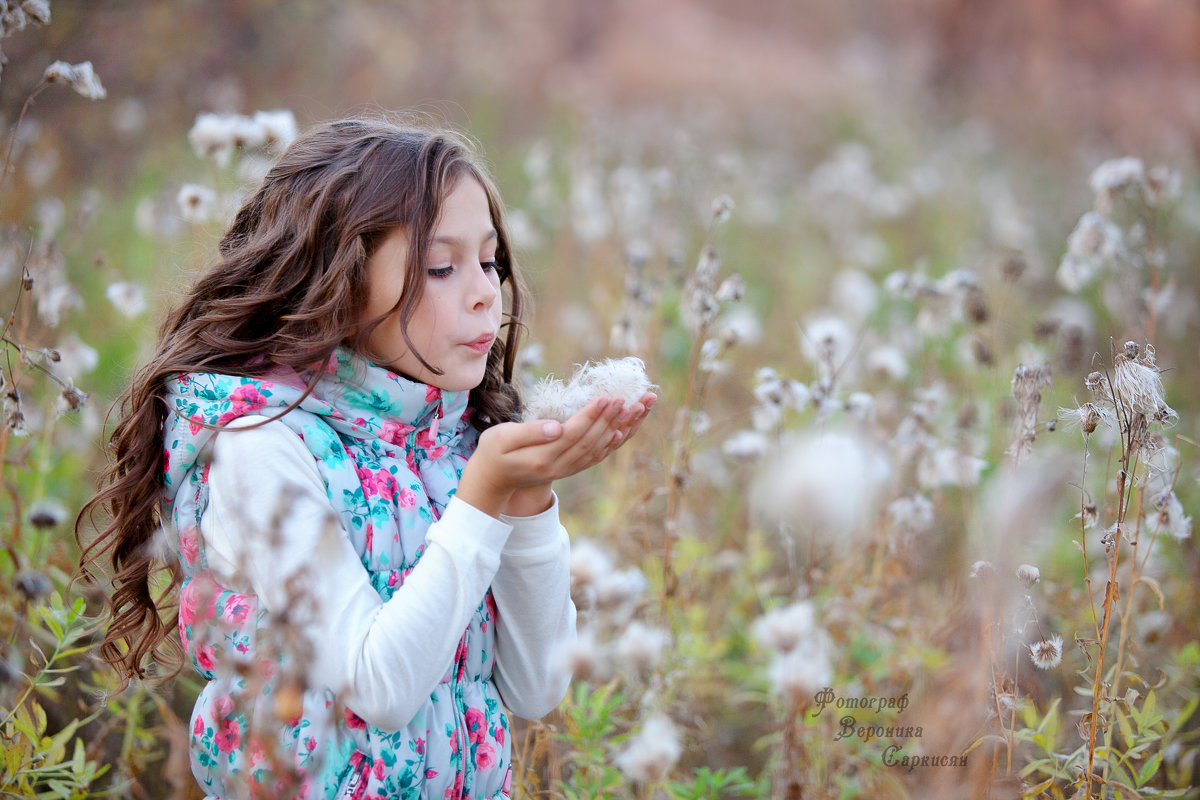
x=1149 y=769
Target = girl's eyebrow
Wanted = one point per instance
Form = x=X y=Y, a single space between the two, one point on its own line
x=462 y=241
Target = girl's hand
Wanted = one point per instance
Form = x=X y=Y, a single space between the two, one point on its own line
x=515 y=463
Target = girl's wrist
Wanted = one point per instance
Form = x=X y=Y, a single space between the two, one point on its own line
x=487 y=496
x=530 y=501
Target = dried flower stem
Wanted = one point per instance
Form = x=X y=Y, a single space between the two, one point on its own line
x=1130 y=450
x=12 y=139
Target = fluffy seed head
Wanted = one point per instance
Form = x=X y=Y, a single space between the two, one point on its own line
x=641 y=646
x=831 y=481
x=47 y=513
x=801 y=673
x=127 y=298
x=196 y=203
x=623 y=378
x=1047 y=654
x=783 y=629
x=745 y=445
x=1137 y=383
x=1028 y=575
x=81 y=77
x=652 y=753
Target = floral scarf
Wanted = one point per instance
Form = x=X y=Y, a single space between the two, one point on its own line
x=391 y=452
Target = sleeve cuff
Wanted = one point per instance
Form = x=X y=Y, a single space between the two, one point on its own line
x=463 y=521
x=532 y=534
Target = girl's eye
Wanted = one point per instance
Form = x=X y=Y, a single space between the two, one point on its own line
x=492 y=265
x=440 y=272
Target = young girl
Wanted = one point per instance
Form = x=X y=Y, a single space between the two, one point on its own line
x=371 y=563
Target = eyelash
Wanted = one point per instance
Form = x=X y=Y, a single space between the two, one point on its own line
x=445 y=272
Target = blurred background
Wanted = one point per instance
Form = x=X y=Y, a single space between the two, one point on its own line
x=907 y=187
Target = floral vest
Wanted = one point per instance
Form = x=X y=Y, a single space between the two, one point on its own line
x=391 y=452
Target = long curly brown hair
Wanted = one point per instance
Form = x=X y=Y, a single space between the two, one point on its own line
x=287 y=290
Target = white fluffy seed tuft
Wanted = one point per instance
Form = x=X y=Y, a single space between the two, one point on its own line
x=621 y=378
x=652 y=753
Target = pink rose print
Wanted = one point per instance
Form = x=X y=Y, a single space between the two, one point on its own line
x=354 y=720
x=377 y=768
x=197 y=595
x=377 y=482
x=258 y=752
x=246 y=398
x=194 y=426
x=222 y=706
x=206 y=657
x=485 y=756
x=237 y=608
x=189 y=545
x=425 y=439
x=408 y=498
x=430 y=774
x=198 y=728
x=166 y=460
x=432 y=393
x=394 y=432
x=476 y=725
x=420 y=747
x=229 y=736
x=499 y=736
x=310 y=744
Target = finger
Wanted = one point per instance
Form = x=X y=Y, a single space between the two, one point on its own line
x=518 y=435
x=600 y=431
x=637 y=415
x=591 y=445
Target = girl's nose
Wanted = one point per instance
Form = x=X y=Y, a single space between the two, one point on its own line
x=485 y=288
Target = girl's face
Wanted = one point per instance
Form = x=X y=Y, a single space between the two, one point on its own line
x=458 y=317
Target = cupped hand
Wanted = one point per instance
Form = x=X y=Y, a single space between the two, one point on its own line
x=515 y=462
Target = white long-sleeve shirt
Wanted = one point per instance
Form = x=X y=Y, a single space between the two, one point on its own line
x=384 y=659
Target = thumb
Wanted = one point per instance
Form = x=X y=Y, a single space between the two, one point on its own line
x=529 y=434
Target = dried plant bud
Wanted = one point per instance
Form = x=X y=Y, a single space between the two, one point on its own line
x=14 y=416
x=70 y=399
x=1028 y=575
x=975 y=306
x=32 y=585
x=47 y=513
x=722 y=208
x=1014 y=267
x=1089 y=418
x=732 y=289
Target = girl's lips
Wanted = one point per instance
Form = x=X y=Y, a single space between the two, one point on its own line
x=482 y=345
